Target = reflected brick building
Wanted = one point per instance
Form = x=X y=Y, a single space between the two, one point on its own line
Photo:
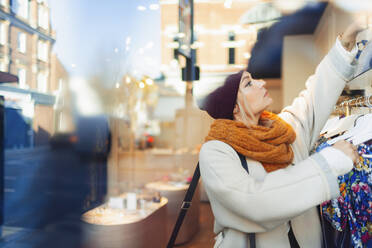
x=26 y=41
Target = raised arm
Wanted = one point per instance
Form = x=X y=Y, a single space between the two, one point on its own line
x=238 y=198
x=311 y=109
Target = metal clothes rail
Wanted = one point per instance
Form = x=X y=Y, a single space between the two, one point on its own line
x=358 y=102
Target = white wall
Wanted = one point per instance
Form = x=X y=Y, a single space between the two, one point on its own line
x=298 y=63
x=333 y=22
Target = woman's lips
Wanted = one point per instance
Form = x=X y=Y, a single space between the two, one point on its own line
x=266 y=93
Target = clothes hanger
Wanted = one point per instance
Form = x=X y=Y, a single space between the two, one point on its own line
x=359 y=133
x=341 y=126
x=365 y=134
x=331 y=122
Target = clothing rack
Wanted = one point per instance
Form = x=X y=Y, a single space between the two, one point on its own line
x=358 y=102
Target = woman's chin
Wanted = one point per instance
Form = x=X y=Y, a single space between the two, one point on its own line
x=269 y=100
x=268 y=103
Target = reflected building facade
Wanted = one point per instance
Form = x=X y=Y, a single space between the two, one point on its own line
x=26 y=41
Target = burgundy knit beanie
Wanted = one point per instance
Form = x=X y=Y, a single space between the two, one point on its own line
x=220 y=103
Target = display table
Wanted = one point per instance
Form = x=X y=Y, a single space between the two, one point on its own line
x=118 y=228
x=175 y=193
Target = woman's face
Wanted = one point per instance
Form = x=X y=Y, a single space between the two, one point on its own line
x=254 y=92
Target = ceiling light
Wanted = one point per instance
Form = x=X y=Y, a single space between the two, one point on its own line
x=127 y=80
x=247 y=55
x=141 y=8
x=154 y=6
x=149 y=45
x=173 y=44
x=228 y=4
x=149 y=81
x=181 y=35
x=128 y=40
x=289 y=6
x=260 y=13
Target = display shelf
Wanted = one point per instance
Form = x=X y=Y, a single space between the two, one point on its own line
x=104 y=215
x=117 y=228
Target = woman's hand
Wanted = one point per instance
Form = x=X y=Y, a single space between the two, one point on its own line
x=348 y=37
x=348 y=149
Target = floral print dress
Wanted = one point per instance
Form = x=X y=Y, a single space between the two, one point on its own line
x=351 y=212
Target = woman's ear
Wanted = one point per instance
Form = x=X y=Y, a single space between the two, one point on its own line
x=236 y=109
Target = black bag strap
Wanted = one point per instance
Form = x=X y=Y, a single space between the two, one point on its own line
x=292 y=238
x=252 y=236
x=243 y=161
x=185 y=206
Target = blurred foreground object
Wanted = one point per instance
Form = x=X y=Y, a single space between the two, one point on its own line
x=54 y=185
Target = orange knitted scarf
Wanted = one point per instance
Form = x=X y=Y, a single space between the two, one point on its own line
x=268 y=145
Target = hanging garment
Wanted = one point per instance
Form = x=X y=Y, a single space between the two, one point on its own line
x=351 y=212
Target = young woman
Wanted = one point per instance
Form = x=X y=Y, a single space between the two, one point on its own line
x=279 y=194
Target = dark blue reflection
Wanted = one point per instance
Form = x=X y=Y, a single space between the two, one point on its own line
x=267 y=52
x=17 y=129
x=47 y=189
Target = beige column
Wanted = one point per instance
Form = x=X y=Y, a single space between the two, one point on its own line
x=33 y=13
x=7 y=44
x=34 y=62
x=298 y=63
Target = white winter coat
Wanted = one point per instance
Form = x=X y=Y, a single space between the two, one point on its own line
x=263 y=203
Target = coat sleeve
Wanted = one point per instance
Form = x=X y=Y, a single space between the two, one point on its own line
x=241 y=202
x=311 y=109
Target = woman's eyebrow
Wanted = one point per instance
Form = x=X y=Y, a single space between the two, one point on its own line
x=245 y=78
